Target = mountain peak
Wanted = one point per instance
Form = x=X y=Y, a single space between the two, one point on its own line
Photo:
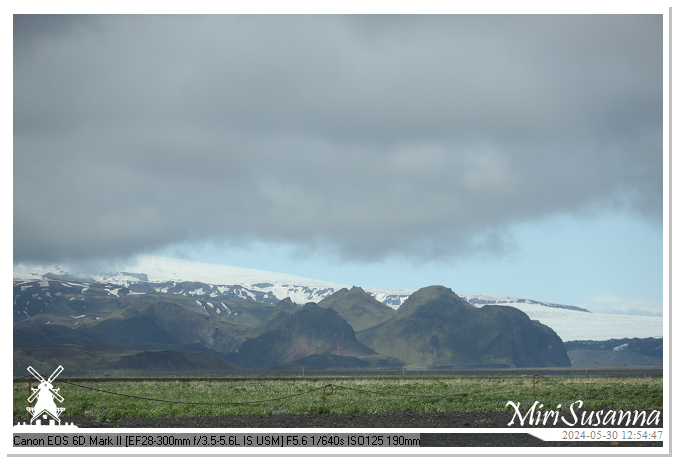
x=359 y=308
x=437 y=294
x=36 y=286
x=311 y=330
x=436 y=328
x=435 y=291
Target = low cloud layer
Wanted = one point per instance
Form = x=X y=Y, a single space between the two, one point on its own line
x=425 y=136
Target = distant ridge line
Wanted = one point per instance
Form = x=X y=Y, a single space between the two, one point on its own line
x=153 y=269
x=478 y=300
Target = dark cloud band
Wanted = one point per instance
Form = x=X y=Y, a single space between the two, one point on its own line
x=422 y=135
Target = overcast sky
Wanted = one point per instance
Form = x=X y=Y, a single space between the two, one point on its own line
x=517 y=155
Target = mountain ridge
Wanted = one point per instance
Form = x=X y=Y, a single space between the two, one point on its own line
x=32 y=292
x=435 y=328
x=148 y=270
x=313 y=330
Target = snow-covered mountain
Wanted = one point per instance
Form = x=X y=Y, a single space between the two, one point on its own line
x=220 y=283
x=190 y=278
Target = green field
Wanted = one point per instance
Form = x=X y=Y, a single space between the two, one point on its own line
x=140 y=397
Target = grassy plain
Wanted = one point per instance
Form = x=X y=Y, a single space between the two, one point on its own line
x=165 y=397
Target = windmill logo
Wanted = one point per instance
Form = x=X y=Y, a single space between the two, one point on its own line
x=45 y=394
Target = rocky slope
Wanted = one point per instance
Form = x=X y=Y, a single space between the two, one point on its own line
x=311 y=331
x=435 y=328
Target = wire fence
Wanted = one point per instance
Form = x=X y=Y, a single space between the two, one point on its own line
x=196 y=403
x=582 y=393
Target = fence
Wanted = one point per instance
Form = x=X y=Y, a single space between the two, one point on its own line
x=537 y=385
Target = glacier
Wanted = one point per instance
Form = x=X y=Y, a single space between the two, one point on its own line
x=222 y=282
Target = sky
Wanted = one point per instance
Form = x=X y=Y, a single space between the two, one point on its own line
x=517 y=155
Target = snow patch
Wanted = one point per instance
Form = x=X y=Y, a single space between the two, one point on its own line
x=202 y=307
x=568 y=322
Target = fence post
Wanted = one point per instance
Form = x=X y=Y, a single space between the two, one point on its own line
x=324 y=395
x=534 y=382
